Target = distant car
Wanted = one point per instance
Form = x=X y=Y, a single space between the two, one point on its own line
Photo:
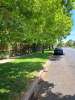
x=58 y=51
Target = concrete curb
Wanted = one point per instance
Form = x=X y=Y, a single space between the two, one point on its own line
x=33 y=90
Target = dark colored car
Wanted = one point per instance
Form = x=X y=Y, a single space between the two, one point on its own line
x=58 y=51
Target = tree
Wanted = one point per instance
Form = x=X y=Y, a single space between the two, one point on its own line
x=34 y=21
x=69 y=43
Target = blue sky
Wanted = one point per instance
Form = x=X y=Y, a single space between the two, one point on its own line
x=72 y=35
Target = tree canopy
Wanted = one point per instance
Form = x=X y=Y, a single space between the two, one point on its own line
x=34 y=20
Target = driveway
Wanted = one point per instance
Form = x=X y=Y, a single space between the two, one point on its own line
x=59 y=83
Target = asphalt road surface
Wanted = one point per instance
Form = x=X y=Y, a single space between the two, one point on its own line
x=59 y=83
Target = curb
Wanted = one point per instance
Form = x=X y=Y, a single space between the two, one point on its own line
x=33 y=89
x=30 y=91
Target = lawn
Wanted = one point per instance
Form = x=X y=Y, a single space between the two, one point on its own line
x=16 y=76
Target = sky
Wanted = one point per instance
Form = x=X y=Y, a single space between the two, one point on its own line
x=72 y=35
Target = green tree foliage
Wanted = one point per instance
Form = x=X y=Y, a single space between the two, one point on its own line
x=70 y=43
x=34 y=20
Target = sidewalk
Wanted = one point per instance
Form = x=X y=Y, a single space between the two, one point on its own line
x=6 y=60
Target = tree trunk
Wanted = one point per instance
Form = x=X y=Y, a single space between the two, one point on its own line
x=34 y=47
x=42 y=49
x=52 y=47
x=49 y=47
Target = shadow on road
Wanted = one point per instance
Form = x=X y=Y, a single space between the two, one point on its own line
x=45 y=93
x=55 y=57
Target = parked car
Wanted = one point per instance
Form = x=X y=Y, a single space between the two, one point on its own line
x=58 y=51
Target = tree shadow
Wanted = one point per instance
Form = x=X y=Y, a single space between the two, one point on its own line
x=45 y=93
x=55 y=57
x=16 y=77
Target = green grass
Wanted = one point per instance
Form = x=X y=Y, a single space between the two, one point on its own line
x=16 y=76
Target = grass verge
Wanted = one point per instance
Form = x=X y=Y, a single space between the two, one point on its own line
x=16 y=76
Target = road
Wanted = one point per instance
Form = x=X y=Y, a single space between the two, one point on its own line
x=59 y=83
